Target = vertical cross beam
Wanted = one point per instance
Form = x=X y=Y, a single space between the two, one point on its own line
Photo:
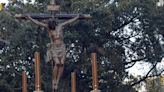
x=94 y=73
x=73 y=81
x=53 y=7
x=37 y=72
x=52 y=2
x=24 y=82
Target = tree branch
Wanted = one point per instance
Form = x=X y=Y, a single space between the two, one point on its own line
x=146 y=76
x=159 y=74
x=133 y=61
x=126 y=23
x=130 y=66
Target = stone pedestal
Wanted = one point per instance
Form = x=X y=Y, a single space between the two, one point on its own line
x=96 y=90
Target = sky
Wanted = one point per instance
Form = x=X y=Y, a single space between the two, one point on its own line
x=3 y=1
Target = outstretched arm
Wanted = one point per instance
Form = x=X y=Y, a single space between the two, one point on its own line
x=70 y=21
x=37 y=22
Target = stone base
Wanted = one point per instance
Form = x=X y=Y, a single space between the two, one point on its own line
x=96 y=90
x=38 y=91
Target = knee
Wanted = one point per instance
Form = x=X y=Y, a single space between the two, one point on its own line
x=60 y=65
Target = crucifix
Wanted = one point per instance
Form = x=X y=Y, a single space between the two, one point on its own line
x=56 y=50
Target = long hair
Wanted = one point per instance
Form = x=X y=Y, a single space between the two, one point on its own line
x=52 y=24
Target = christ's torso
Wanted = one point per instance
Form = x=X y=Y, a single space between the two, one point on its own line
x=56 y=36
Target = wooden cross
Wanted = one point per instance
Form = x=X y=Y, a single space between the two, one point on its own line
x=53 y=8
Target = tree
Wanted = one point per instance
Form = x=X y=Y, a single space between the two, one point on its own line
x=121 y=32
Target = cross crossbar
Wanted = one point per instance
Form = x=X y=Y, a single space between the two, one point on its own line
x=42 y=16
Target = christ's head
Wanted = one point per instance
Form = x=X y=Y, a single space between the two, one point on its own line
x=52 y=24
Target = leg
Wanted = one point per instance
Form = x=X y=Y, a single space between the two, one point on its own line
x=61 y=68
x=55 y=73
x=59 y=62
x=62 y=60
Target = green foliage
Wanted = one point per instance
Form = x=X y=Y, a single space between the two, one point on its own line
x=106 y=33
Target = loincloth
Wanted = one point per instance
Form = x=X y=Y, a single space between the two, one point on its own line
x=55 y=51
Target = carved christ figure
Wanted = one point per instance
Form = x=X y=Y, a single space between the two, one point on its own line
x=56 y=50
